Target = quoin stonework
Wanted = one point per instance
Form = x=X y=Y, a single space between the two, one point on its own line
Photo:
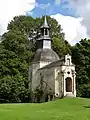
x=50 y=76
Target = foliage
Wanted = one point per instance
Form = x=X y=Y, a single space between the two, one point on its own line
x=31 y=28
x=12 y=89
x=81 y=58
x=14 y=57
x=61 y=47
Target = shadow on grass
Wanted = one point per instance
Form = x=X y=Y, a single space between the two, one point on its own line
x=87 y=106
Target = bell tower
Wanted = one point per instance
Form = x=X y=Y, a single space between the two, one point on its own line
x=44 y=55
x=44 y=42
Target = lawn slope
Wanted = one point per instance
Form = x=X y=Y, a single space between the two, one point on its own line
x=63 y=109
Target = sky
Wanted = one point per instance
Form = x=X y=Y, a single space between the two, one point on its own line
x=72 y=15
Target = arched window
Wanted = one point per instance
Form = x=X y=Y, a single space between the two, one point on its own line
x=68 y=61
x=42 y=31
x=46 y=33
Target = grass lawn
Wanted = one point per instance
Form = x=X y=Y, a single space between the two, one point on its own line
x=63 y=109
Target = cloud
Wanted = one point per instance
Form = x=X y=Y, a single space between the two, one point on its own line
x=57 y=2
x=83 y=10
x=11 y=8
x=72 y=27
x=43 y=6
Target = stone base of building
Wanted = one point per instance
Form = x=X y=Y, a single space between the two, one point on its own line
x=70 y=94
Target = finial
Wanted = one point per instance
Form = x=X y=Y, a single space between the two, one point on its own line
x=45 y=24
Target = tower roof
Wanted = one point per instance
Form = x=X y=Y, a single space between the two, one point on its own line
x=46 y=55
x=45 y=24
x=44 y=52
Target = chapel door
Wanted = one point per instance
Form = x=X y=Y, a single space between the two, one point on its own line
x=68 y=84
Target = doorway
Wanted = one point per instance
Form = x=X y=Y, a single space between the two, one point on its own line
x=68 y=84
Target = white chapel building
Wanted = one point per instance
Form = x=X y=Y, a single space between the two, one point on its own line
x=50 y=75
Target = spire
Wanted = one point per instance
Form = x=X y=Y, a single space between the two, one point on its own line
x=44 y=41
x=45 y=24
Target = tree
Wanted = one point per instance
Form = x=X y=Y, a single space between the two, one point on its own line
x=31 y=28
x=81 y=58
x=12 y=89
x=14 y=62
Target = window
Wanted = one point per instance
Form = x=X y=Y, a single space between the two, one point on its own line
x=46 y=32
x=42 y=32
x=68 y=84
x=68 y=61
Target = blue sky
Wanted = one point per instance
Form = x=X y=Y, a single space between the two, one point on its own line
x=72 y=15
x=65 y=14
x=52 y=8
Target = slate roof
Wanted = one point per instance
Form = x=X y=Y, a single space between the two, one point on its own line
x=47 y=55
x=54 y=64
x=45 y=24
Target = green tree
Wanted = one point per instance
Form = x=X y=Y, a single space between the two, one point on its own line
x=14 y=62
x=81 y=58
x=31 y=28
x=12 y=89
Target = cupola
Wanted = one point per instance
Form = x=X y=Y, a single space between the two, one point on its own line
x=44 y=41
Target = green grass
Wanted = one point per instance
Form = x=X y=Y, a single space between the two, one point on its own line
x=63 y=109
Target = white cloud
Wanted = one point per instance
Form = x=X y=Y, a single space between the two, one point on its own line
x=83 y=10
x=11 y=8
x=57 y=2
x=43 y=6
x=72 y=27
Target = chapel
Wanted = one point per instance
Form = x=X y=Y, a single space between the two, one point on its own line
x=50 y=76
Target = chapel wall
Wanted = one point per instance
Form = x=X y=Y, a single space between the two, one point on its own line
x=48 y=78
x=58 y=82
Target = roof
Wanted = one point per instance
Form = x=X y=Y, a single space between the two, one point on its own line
x=44 y=38
x=54 y=64
x=57 y=63
x=46 y=55
x=45 y=24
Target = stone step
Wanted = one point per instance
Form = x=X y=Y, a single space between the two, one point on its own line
x=69 y=94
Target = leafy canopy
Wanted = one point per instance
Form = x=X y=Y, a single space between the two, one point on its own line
x=81 y=58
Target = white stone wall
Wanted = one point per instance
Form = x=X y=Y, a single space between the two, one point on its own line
x=35 y=81
x=36 y=74
x=48 y=78
x=58 y=82
x=68 y=71
x=47 y=44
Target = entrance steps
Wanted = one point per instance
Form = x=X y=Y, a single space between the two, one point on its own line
x=69 y=94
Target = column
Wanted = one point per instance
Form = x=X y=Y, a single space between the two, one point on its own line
x=74 y=83
x=64 y=81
